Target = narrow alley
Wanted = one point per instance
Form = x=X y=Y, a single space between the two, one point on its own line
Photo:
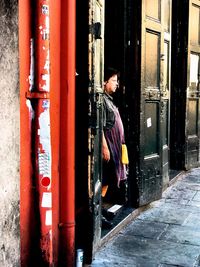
x=166 y=234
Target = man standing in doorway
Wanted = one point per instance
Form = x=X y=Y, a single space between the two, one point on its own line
x=114 y=171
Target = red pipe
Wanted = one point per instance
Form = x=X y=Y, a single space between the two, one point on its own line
x=67 y=159
x=41 y=93
x=55 y=120
x=25 y=133
x=42 y=136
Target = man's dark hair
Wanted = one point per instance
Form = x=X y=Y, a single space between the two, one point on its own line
x=109 y=72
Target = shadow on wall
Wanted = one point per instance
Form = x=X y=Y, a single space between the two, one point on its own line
x=8 y=7
x=8 y=21
x=8 y=26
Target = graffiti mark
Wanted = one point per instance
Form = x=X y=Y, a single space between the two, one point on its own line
x=44 y=164
x=45 y=10
x=45 y=104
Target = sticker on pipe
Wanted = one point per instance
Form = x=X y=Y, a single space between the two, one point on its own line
x=48 y=220
x=45 y=181
x=47 y=200
x=45 y=9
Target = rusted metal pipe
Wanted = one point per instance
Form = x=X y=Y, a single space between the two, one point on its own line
x=55 y=120
x=67 y=158
x=42 y=136
x=25 y=132
x=35 y=93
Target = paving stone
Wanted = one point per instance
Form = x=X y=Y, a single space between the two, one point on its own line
x=145 y=229
x=193 y=220
x=183 y=234
x=167 y=234
x=196 y=197
x=135 y=251
x=167 y=213
x=194 y=203
x=187 y=185
x=183 y=202
x=192 y=177
x=181 y=193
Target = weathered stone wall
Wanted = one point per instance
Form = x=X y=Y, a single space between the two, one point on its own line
x=9 y=141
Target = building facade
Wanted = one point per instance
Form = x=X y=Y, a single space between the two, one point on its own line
x=56 y=103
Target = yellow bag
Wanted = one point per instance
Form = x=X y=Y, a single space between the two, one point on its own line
x=124 y=154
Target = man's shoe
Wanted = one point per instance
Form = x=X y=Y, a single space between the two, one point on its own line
x=106 y=224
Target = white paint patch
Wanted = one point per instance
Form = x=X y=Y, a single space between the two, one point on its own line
x=48 y=220
x=44 y=125
x=47 y=200
x=28 y=104
x=46 y=66
x=31 y=75
x=46 y=77
x=47 y=23
x=30 y=108
x=149 y=124
x=50 y=234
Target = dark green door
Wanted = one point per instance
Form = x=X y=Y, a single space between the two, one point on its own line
x=95 y=60
x=155 y=95
x=193 y=87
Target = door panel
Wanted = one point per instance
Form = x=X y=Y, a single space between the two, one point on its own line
x=152 y=128
x=194 y=23
x=153 y=8
x=152 y=59
x=155 y=80
x=193 y=93
x=96 y=52
x=167 y=15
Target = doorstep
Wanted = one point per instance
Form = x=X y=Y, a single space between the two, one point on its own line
x=115 y=230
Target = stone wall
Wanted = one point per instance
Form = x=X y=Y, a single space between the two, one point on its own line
x=9 y=141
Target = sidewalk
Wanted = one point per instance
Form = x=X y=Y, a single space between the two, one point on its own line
x=165 y=235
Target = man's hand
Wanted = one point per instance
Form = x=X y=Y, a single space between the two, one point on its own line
x=106 y=153
x=105 y=149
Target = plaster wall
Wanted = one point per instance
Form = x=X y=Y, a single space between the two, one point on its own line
x=9 y=135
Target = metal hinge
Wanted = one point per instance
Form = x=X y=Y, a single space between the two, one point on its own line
x=95 y=29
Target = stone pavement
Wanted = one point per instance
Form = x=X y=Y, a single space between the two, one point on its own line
x=167 y=234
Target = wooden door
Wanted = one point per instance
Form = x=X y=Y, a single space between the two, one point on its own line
x=96 y=68
x=193 y=88
x=155 y=95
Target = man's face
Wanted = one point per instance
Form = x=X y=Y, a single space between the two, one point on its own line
x=112 y=84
